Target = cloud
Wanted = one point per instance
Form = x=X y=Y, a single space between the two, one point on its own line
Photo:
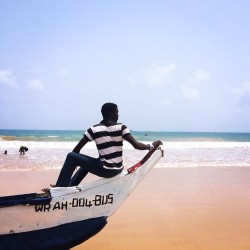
x=62 y=73
x=165 y=103
x=241 y=95
x=36 y=84
x=7 y=78
x=246 y=86
x=189 y=92
x=191 y=89
x=157 y=75
x=131 y=81
x=154 y=76
x=4 y=98
x=201 y=75
x=35 y=70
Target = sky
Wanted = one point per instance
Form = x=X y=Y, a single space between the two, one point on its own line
x=169 y=65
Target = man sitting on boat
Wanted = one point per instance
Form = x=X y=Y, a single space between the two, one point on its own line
x=108 y=136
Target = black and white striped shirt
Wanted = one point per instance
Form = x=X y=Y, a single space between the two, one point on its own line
x=108 y=136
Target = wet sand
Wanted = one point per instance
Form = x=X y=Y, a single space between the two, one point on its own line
x=173 y=208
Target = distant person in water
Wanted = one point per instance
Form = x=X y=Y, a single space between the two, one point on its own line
x=22 y=150
x=108 y=136
x=5 y=152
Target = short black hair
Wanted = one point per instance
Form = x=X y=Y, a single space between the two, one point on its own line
x=107 y=108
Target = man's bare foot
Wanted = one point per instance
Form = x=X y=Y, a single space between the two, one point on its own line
x=46 y=190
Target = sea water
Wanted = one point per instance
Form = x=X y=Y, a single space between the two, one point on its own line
x=48 y=149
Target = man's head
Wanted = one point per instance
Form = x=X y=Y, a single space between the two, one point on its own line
x=110 y=110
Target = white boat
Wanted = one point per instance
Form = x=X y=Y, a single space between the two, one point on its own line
x=67 y=216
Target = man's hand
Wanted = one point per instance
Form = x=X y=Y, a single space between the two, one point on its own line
x=156 y=144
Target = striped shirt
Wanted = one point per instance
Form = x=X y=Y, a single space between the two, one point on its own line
x=108 y=136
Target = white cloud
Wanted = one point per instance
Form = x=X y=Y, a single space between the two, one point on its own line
x=246 y=86
x=241 y=95
x=189 y=92
x=131 y=81
x=154 y=75
x=34 y=70
x=157 y=75
x=36 y=84
x=165 y=102
x=192 y=88
x=5 y=98
x=201 y=75
x=62 y=73
x=7 y=78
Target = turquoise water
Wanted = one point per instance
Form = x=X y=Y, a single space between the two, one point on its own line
x=76 y=135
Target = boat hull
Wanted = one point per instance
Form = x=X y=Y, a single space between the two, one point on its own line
x=61 y=237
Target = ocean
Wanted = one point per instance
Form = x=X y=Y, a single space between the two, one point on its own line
x=48 y=149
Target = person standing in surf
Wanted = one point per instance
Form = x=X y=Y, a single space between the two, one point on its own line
x=108 y=136
x=22 y=150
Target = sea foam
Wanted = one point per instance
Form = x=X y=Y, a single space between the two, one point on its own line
x=44 y=155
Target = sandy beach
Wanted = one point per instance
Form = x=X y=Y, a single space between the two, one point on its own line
x=173 y=208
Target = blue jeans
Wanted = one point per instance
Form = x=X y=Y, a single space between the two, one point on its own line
x=87 y=165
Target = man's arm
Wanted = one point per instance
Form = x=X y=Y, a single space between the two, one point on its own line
x=80 y=145
x=138 y=145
